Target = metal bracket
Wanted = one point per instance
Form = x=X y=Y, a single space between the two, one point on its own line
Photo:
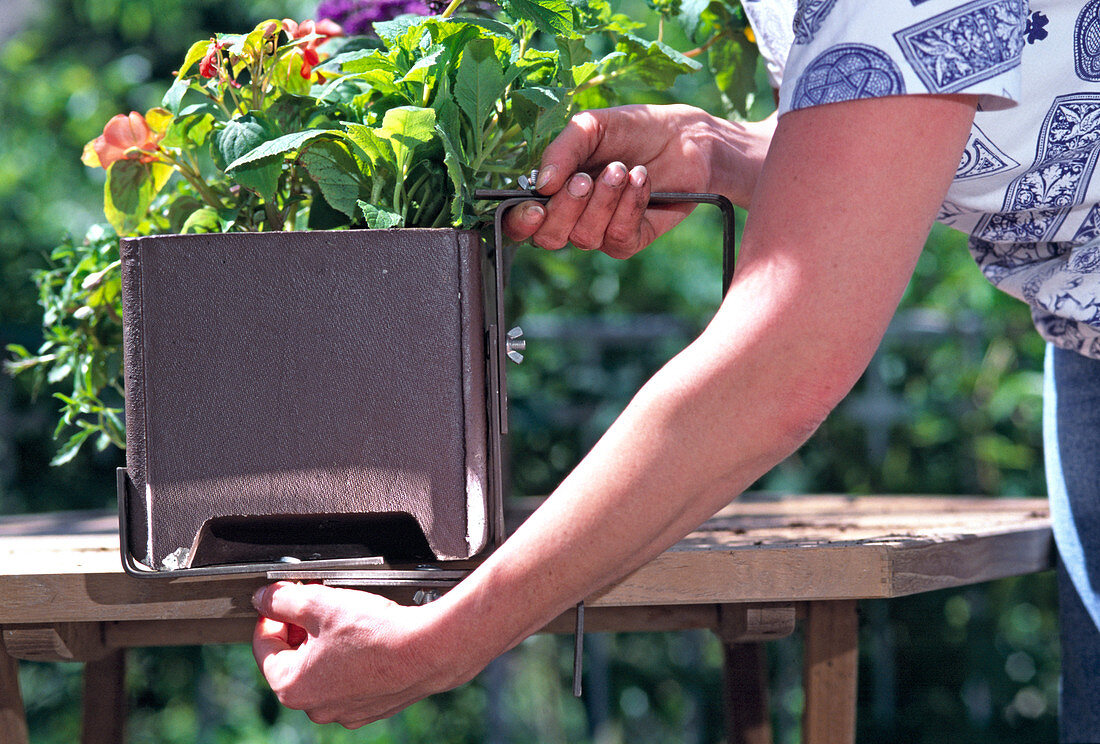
x=509 y=198
x=578 y=649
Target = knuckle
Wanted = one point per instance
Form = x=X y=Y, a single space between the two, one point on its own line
x=550 y=243
x=584 y=240
x=619 y=237
x=290 y=698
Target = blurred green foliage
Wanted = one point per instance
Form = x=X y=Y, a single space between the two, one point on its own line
x=950 y=406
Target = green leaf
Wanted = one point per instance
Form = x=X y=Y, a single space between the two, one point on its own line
x=337 y=61
x=691 y=19
x=242 y=136
x=180 y=209
x=652 y=64
x=733 y=61
x=494 y=28
x=324 y=217
x=127 y=194
x=391 y=31
x=280 y=146
x=540 y=112
x=203 y=220
x=194 y=54
x=191 y=130
x=542 y=96
x=174 y=95
x=553 y=17
x=71 y=447
x=456 y=170
x=378 y=218
x=418 y=73
x=378 y=152
x=333 y=169
x=376 y=59
x=479 y=82
x=406 y=128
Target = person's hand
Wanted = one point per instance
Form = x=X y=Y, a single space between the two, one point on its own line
x=349 y=657
x=600 y=171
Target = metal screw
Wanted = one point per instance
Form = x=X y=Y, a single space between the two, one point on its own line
x=515 y=344
x=424 y=596
x=528 y=182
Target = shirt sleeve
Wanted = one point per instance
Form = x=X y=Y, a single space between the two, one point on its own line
x=845 y=50
x=772 y=23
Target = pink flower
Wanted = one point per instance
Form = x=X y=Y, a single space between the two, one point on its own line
x=208 y=68
x=124 y=137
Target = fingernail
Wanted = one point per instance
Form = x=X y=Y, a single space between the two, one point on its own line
x=638 y=176
x=579 y=185
x=533 y=214
x=614 y=174
x=545 y=175
x=258 y=597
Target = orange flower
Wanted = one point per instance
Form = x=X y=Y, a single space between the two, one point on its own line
x=316 y=34
x=124 y=137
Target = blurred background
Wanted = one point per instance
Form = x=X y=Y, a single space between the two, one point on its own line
x=949 y=406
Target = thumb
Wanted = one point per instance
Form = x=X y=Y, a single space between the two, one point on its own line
x=292 y=603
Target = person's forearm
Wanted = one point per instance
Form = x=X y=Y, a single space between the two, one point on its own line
x=700 y=432
x=839 y=216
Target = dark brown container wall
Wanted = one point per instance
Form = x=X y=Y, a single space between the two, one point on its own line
x=313 y=394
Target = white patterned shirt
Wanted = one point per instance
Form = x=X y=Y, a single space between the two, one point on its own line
x=1024 y=191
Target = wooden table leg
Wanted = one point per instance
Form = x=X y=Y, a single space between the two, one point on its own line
x=105 y=699
x=831 y=642
x=748 y=720
x=13 y=719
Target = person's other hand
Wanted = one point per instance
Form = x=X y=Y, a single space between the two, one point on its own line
x=346 y=656
x=600 y=171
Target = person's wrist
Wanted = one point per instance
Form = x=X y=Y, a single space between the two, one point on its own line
x=737 y=153
x=458 y=644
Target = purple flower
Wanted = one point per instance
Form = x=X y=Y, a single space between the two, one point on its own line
x=357 y=17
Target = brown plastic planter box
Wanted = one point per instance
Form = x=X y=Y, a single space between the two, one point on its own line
x=312 y=395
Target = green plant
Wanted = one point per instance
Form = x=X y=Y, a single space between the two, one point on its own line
x=293 y=126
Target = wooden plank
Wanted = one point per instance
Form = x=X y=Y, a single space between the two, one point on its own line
x=805 y=548
x=759 y=574
x=657 y=619
x=748 y=716
x=969 y=560
x=13 y=719
x=830 y=659
x=149 y=633
x=153 y=633
x=82 y=543
x=104 y=719
x=750 y=623
x=58 y=642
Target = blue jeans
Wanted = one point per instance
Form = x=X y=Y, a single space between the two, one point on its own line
x=1071 y=434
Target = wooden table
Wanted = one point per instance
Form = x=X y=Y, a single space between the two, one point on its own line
x=749 y=574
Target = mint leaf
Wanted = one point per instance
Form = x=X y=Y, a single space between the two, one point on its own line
x=553 y=17
x=405 y=128
x=280 y=145
x=334 y=171
x=378 y=218
x=456 y=170
x=479 y=82
x=240 y=137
